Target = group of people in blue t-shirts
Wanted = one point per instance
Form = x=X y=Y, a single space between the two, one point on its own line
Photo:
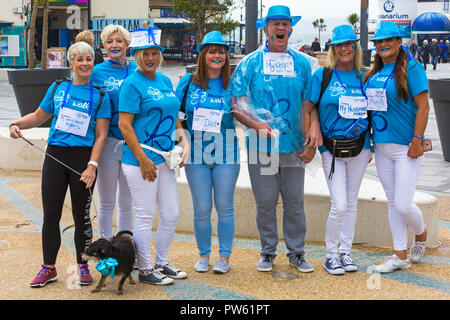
x=124 y=126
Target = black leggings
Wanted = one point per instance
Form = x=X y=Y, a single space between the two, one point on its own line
x=55 y=180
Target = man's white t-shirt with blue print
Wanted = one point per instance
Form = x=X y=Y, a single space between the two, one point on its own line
x=155 y=107
x=396 y=125
x=78 y=99
x=273 y=99
x=110 y=78
x=209 y=147
x=342 y=83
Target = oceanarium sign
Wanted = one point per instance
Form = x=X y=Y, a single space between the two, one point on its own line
x=402 y=12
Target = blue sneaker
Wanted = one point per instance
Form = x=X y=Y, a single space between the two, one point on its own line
x=347 y=263
x=221 y=266
x=155 y=277
x=298 y=261
x=334 y=266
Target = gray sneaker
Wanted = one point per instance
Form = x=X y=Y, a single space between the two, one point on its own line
x=266 y=263
x=221 y=266
x=202 y=265
x=298 y=261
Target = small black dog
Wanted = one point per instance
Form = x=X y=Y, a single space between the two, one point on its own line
x=121 y=248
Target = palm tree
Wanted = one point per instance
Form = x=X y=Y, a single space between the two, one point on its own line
x=353 y=19
x=320 y=25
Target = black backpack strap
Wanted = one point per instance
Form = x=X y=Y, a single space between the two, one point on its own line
x=102 y=94
x=327 y=74
x=58 y=82
x=183 y=102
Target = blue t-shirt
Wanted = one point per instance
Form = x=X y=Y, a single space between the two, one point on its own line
x=274 y=99
x=79 y=100
x=331 y=123
x=109 y=78
x=208 y=147
x=155 y=107
x=396 y=125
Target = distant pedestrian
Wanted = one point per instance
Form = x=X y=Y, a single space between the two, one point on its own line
x=435 y=53
x=413 y=48
x=447 y=43
x=315 y=46
x=98 y=55
x=443 y=52
x=424 y=53
x=327 y=45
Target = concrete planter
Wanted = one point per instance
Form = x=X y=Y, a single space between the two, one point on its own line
x=440 y=93
x=30 y=87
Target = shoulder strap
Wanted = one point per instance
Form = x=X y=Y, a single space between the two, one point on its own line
x=327 y=74
x=58 y=82
x=183 y=102
x=102 y=94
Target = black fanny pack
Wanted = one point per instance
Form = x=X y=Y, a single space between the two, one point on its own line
x=342 y=148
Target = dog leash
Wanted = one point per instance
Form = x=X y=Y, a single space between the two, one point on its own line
x=65 y=165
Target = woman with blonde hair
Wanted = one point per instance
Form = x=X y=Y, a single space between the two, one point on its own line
x=111 y=182
x=148 y=110
x=71 y=149
x=337 y=96
x=397 y=91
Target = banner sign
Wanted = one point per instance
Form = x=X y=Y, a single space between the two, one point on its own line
x=129 y=24
x=402 y=12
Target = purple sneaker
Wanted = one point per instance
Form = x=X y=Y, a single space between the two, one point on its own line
x=44 y=276
x=85 y=276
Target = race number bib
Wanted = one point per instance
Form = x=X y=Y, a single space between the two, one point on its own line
x=278 y=64
x=73 y=121
x=208 y=120
x=376 y=99
x=352 y=107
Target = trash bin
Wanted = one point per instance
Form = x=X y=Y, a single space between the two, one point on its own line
x=440 y=93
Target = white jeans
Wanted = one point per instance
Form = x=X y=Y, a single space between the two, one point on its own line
x=145 y=194
x=398 y=174
x=112 y=182
x=344 y=188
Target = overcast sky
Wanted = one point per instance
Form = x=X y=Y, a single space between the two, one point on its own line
x=334 y=12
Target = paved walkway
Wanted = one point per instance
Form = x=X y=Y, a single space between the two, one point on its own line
x=21 y=253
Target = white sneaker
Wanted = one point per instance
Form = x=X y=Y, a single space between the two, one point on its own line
x=392 y=263
x=417 y=251
x=202 y=265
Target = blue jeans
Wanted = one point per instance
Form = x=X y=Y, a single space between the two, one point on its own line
x=434 y=61
x=202 y=179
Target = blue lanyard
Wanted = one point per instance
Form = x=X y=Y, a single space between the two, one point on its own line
x=266 y=49
x=342 y=84
x=221 y=96
x=387 y=80
x=122 y=65
x=91 y=96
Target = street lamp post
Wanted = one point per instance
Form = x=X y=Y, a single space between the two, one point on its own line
x=251 y=34
x=364 y=32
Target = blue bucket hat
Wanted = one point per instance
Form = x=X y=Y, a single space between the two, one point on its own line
x=386 y=29
x=145 y=38
x=343 y=33
x=213 y=37
x=277 y=12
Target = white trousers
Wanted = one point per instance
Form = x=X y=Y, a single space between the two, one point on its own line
x=146 y=194
x=398 y=174
x=344 y=188
x=111 y=184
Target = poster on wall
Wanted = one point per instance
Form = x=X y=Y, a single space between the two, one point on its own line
x=56 y=57
x=402 y=12
x=9 y=46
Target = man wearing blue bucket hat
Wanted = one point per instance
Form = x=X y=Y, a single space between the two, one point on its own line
x=267 y=89
x=397 y=92
x=342 y=110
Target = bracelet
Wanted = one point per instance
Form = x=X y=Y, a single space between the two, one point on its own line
x=12 y=124
x=94 y=163
x=417 y=136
